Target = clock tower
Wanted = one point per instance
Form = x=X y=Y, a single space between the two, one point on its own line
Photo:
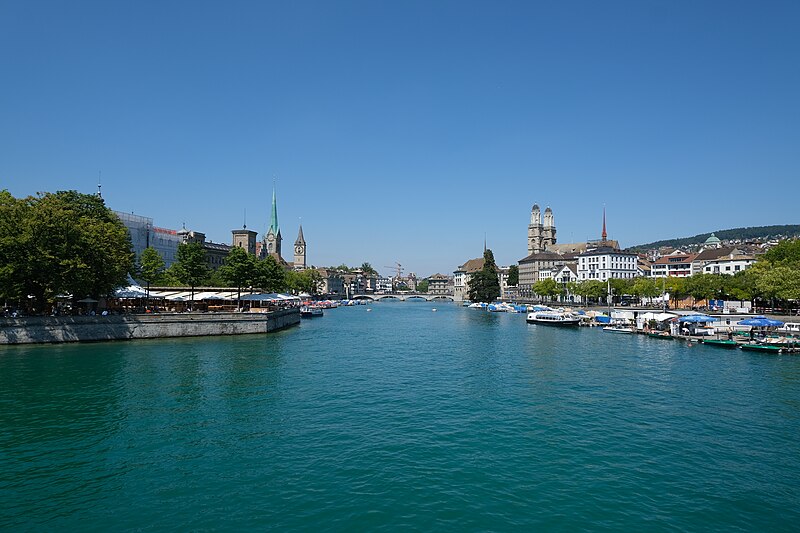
x=300 y=251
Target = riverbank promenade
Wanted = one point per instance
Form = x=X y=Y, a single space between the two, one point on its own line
x=58 y=329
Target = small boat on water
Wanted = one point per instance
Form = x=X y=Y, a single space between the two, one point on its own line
x=721 y=343
x=763 y=348
x=663 y=335
x=310 y=311
x=618 y=329
x=552 y=317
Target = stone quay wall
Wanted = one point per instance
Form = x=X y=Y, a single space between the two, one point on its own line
x=47 y=329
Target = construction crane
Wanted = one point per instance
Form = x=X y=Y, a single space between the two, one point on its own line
x=398 y=268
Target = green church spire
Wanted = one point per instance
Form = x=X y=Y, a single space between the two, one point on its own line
x=273 y=220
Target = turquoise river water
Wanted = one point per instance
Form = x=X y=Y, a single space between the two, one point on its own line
x=400 y=419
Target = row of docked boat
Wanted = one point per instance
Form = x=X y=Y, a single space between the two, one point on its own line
x=775 y=347
x=500 y=307
x=785 y=346
x=561 y=317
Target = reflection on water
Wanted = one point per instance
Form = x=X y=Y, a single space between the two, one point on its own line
x=399 y=418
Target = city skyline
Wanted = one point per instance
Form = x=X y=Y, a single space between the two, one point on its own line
x=409 y=133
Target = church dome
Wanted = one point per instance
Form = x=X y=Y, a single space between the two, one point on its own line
x=713 y=239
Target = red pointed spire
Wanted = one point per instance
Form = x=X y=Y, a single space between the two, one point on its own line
x=604 y=235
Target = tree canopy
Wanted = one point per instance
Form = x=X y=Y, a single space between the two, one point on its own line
x=60 y=243
x=547 y=287
x=151 y=266
x=190 y=267
x=513 y=275
x=484 y=286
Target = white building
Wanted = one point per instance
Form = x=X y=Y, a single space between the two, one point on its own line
x=729 y=265
x=721 y=260
x=502 y=277
x=678 y=264
x=461 y=277
x=548 y=273
x=383 y=285
x=606 y=263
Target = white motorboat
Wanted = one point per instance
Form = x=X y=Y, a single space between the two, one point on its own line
x=552 y=317
x=618 y=329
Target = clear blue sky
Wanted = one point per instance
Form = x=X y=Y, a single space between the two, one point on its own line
x=406 y=131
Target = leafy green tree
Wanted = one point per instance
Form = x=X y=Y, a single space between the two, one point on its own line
x=314 y=281
x=677 y=289
x=591 y=289
x=307 y=281
x=239 y=270
x=151 y=267
x=645 y=288
x=572 y=288
x=513 y=275
x=785 y=252
x=367 y=269
x=216 y=278
x=59 y=243
x=547 y=288
x=621 y=287
x=13 y=213
x=740 y=286
x=422 y=286
x=270 y=276
x=190 y=268
x=484 y=286
x=779 y=282
x=705 y=286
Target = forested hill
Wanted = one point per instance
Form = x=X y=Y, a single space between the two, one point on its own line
x=742 y=234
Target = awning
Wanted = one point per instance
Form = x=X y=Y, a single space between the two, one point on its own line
x=264 y=297
x=696 y=319
x=760 y=322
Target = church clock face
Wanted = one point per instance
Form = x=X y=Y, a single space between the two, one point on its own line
x=298 y=250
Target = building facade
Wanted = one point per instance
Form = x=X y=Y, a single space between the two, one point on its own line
x=529 y=269
x=461 y=277
x=677 y=264
x=718 y=255
x=144 y=234
x=729 y=264
x=439 y=284
x=607 y=263
x=215 y=252
x=244 y=238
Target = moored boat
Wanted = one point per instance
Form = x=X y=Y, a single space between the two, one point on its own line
x=308 y=311
x=763 y=348
x=618 y=329
x=729 y=344
x=663 y=335
x=553 y=318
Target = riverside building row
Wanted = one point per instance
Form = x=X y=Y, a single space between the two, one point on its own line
x=144 y=234
x=599 y=260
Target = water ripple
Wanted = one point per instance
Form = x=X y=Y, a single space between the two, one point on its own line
x=399 y=419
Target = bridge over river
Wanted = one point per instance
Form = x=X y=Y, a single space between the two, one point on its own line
x=403 y=296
